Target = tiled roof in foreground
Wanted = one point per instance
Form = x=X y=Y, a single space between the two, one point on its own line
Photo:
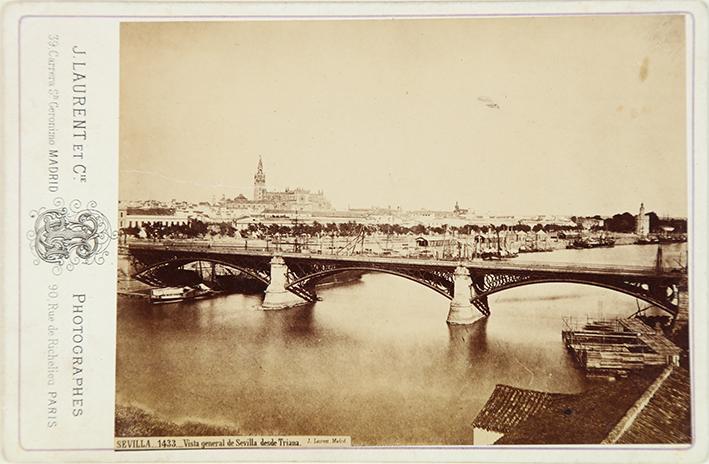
x=508 y=406
x=666 y=417
x=584 y=418
x=651 y=406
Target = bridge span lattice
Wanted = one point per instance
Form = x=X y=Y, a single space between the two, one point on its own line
x=458 y=280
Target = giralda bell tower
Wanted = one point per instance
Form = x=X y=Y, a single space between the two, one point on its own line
x=259 y=182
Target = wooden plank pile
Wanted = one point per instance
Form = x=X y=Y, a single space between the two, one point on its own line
x=618 y=346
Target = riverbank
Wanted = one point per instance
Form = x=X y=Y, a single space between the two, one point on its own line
x=127 y=285
x=132 y=421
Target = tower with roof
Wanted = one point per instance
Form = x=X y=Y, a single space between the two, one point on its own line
x=259 y=182
x=642 y=223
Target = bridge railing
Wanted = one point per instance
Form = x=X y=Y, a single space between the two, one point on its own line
x=216 y=247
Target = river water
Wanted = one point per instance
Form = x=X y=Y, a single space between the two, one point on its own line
x=374 y=360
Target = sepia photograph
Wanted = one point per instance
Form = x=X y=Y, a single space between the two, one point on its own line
x=459 y=231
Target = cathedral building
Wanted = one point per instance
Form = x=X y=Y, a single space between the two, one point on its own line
x=288 y=199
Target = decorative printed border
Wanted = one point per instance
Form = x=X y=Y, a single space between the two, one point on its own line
x=690 y=41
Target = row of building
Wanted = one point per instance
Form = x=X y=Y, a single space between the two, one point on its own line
x=138 y=215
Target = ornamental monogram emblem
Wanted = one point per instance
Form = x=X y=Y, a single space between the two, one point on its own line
x=68 y=235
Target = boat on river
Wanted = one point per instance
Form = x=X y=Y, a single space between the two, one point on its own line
x=177 y=294
x=602 y=242
x=648 y=240
x=491 y=254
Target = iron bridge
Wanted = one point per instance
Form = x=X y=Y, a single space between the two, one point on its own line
x=660 y=288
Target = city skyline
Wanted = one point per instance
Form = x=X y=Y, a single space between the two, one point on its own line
x=416 y=114
x=215 y=200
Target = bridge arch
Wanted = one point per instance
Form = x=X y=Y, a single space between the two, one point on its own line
x=146 y=275
x=435 y=281
x=664 y=305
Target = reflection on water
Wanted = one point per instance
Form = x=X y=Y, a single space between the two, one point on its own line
x=374 y=359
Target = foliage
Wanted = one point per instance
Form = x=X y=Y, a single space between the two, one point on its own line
x=621 y=223
x=624 y=222
x=657 y=223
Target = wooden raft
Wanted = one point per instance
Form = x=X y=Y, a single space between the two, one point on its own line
x=618 y=345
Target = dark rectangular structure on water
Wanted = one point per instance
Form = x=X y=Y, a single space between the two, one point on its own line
x=617 y=346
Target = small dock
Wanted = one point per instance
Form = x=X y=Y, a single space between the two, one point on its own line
x=617 y=346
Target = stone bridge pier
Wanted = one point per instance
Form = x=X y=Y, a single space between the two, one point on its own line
x=277 y=297
x=462 y=310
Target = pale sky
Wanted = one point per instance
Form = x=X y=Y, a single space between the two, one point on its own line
x=562 y=115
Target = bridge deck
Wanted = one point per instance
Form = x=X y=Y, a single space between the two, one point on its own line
x=503 y=265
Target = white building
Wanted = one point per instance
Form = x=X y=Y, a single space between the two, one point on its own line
x=133 y=217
